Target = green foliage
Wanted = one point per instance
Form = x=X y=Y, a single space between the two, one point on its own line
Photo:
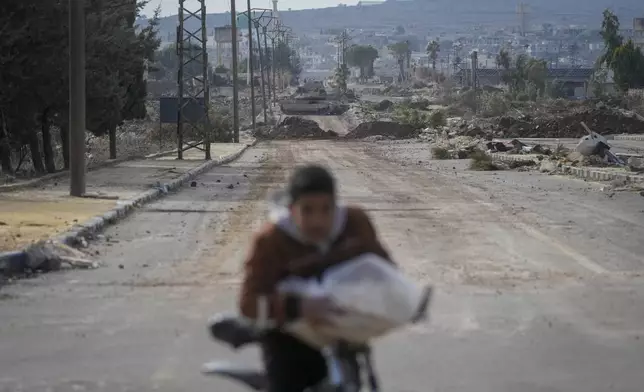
x=526 y=76
x=623 y=58
x=34 y=92
x=440 y=153
x=432 y=50
x=414 y=118
x=402 y=52
x=341 y=77
x=363 y=57
x=437 y=119
x=480 y=161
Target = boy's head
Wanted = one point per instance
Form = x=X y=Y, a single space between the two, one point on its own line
x=312 y=201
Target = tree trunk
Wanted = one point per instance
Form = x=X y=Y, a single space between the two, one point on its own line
x=64 y=141
x=36 y=157
x=48 y=151
x=5 y=157
x=112 y=134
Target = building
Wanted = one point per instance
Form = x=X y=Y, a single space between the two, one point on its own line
x=638 y=32
x=575 y=82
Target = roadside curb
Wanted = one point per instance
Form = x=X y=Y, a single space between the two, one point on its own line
x=628 y=137
x=592 y=174
x=16 y=261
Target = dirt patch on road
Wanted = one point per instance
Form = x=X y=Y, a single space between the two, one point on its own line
x=295 y=128
x=387 y=129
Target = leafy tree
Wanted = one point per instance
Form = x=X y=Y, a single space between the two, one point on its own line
x=433 y=47
x=400 y=30
x=362 y=57
x=625 y=59
x=401 y=52
x=34 y=94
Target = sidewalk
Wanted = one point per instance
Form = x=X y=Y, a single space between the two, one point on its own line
x=33 y=214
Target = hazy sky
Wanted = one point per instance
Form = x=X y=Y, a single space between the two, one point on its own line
x=169 y=7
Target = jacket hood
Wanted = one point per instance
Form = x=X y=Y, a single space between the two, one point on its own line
x=280 y=215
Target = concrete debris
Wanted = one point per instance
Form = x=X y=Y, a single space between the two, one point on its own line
x=50 y=256
x=636 y=164
x=460 y=147
x=387 y=129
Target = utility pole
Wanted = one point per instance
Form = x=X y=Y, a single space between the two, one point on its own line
x=261 y=71
x=77 y=97
x=250 y=65
x=268 y=66
x=235 y=65
x=194 y=90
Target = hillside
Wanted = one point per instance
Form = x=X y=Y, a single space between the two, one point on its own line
x=423 y=16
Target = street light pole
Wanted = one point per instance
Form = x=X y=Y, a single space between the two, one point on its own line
x=77 y=97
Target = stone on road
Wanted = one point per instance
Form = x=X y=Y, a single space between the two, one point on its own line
x=534 y=292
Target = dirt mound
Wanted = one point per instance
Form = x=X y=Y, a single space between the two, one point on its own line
x=382 y=128
x=383 y=105
x=295 y=128
x=603 y=120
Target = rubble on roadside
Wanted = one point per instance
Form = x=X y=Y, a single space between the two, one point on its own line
x=52 y=255
x=459 y=147
x=601 y=118
x=294 y=128
x=388 y=129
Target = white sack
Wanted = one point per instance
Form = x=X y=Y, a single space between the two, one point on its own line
x=376 y=296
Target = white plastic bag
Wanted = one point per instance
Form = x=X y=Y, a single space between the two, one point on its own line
x=376 y=297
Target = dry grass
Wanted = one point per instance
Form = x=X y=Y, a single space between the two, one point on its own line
x=440 y=153
x=480 y=161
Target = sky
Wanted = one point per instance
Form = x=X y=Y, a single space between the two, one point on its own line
x=170 y=7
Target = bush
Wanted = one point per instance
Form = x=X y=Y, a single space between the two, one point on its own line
x=494 y=105
x=437 y=119
x=440 y=153
x=480 y=161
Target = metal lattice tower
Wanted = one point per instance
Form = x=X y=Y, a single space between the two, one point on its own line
x=192 y=79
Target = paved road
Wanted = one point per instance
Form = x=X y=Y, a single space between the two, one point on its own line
x=536 y=292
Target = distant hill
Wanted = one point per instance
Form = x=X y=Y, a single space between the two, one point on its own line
x=434 y=16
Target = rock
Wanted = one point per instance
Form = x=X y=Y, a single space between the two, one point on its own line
x=382 y=128
x=231 y=186
x=636 y=164
x=547 y=166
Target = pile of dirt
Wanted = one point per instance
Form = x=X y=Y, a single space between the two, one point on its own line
x=388 y=129
x=601 y=119
x=383 y=105
x=295 y=128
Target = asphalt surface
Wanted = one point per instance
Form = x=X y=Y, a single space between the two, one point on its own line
x=538 y=280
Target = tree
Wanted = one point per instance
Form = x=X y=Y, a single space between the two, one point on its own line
x=34 y=92
x=401 y=52
x=433 y=47
x=400 y=30
x=362 y=57
x=625 y=59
